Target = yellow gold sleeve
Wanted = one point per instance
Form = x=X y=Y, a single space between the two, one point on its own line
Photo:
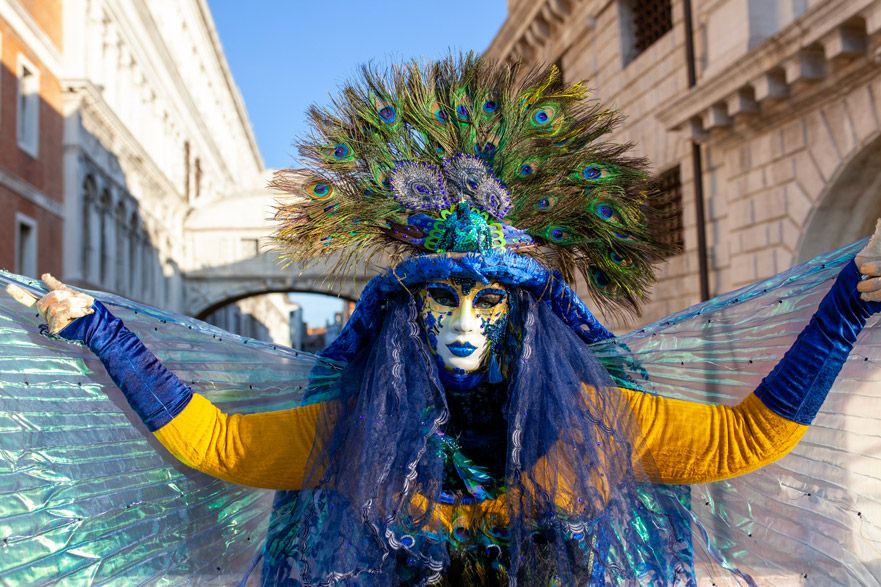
x=268 y=450
x=688 y=442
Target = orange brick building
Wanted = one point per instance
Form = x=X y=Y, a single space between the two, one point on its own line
x=31 y=136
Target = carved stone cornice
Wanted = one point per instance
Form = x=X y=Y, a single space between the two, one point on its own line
x=784 y=66
x=528 y=28
x=100 y=121
x=31 y=193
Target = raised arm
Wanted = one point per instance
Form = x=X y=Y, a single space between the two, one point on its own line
x=686 y=442
x=268 y=450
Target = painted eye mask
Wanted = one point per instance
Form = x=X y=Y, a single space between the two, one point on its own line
x=464 y=321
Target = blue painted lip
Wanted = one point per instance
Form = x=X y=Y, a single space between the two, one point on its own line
x=461 y=349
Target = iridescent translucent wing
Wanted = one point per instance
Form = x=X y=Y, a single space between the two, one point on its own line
x=816 y=513
x=86 y=494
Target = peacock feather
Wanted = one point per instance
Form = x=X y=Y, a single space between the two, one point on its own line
x=404 y=159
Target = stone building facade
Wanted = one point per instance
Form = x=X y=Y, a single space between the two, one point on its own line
x=31 y=136
x=155 y=130
x=146 y=92
x=784 y=108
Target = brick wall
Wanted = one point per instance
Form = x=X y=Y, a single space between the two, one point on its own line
x=31 y=179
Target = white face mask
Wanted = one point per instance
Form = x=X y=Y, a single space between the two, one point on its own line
x=463 y=319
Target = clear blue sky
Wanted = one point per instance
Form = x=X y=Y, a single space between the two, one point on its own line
x=287 y=54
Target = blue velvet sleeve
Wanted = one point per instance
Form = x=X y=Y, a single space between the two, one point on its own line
x=154 y=392
x=797 y=386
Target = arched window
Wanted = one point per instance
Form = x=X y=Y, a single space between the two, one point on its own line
x=147 y=271
x=89 y=201
x=198 y=178
x=187 y=170
x=120 y=249
x=104 y=210
x=134 y=268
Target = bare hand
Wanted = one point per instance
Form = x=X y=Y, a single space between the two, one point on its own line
x=59 y=307
x=869 y=263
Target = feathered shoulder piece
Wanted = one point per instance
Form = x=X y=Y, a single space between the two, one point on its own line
x=466 y=156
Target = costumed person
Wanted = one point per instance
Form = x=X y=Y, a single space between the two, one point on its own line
x=474 y=424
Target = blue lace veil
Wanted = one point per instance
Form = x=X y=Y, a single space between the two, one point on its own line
x=572 y=508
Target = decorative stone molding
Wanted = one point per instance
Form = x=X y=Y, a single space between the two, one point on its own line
x=811 y=50
x=529 y=28
x=31 y=194
x=102 y=123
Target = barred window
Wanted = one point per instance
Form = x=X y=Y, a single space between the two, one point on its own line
x=668 y=228
x=642 y=23
x=90 y=203
x=28 y=107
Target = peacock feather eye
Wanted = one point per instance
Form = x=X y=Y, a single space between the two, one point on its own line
x=440 y=116
x=546 y=118
x=599 y=278
x=541 y=117
x=528 y=168
x=485 y=151
x=591 y=172
x=619 y=260
x=388 y=114
x=341 y=152
x=594 y=173
x=545 y=204
x=461 y=100
x=490 y=106
x=383 y=178
x=320 y=190
x=559 y=235
x=605 y=211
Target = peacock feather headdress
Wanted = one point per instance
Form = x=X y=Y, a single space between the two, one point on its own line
x=466 y=156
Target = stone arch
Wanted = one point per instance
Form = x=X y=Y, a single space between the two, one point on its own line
x=848 y=206
x=246 y=291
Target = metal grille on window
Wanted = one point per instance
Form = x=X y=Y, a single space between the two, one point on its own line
x=669 y=229
x=650 y=20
